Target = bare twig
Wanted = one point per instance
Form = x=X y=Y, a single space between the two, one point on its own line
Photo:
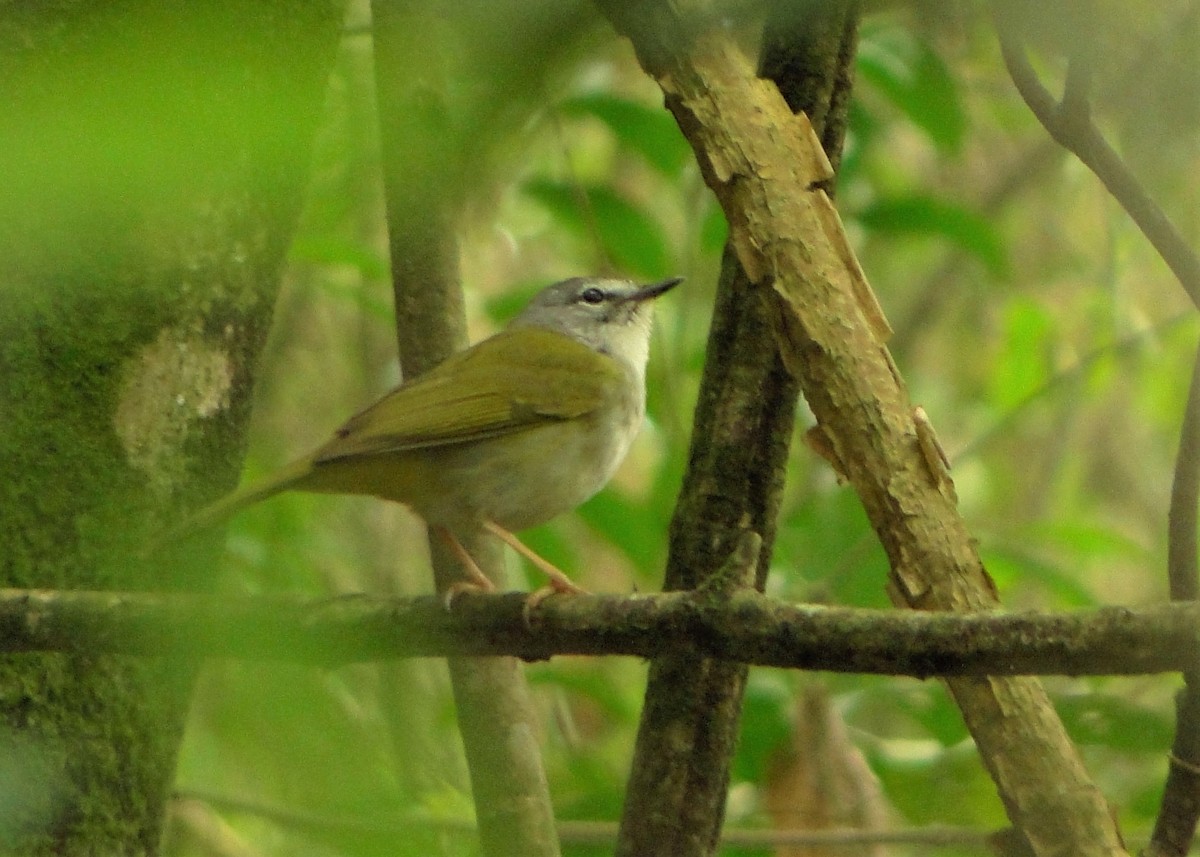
x=943 y=284
x=1073 y=374
x=1069 y=123
x=1028 y=169
x=1175 y=827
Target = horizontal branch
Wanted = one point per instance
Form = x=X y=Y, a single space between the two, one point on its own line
x=746 y=627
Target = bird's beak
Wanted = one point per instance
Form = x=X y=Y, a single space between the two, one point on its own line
x=653 y=290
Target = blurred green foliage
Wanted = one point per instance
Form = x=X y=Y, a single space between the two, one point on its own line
x=1036 y=328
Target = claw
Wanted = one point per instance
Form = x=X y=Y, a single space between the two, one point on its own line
x=460 y=586
x=557 y=586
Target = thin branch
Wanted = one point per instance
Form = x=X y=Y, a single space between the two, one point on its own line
x=943 y=284
x=422 y=188
x=1069 y=123
x=1072 y=374
x=1175 y=827
x=1185 y=494
x=1028 y=169
x=1071 y=126
x=746 y=626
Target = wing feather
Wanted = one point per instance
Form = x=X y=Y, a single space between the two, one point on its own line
x=513 y=380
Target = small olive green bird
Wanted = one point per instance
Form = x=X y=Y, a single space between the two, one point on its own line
x=506 y=435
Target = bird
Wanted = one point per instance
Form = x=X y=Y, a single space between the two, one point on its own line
x=512 y=432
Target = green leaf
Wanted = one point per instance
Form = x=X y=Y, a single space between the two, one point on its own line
x=1014 y=563
x=632 y=529
x=651 y=132
x=629 y=236
x=919 y=214
x=595 y=683
x=917 y=780
x=1089 y=541
x=935 y=713
x=714 y=230
x=766 y=726
x=1023 y=365
x=914 y=78
x=332 y=250
x=1110 y=721
x=828 y=544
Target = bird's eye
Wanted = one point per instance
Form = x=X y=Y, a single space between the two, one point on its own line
x=592 y=296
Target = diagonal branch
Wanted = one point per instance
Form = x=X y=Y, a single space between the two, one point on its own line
x=1070 y=124
x=1185 y=495
x=743 y=426
x=766 y=167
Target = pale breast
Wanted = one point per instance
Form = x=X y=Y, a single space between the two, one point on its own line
x=530 y=477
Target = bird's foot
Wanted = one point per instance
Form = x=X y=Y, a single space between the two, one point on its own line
x=559 y=585
x=458 y=587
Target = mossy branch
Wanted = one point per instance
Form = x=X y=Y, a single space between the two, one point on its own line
x=747 y=626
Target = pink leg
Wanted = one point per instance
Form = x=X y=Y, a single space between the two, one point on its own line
x=477 y=579
x=558 y=581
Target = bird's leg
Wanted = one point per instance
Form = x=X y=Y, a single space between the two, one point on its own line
x=559 y=582
x=478 y=581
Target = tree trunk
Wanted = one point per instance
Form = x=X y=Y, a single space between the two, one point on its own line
x=155 y=157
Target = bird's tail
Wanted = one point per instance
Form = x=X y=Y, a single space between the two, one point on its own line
x=229 y=505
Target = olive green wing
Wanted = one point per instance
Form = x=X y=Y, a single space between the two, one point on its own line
x=514 y=380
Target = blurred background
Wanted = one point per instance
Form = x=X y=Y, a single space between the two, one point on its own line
x=1048 y=343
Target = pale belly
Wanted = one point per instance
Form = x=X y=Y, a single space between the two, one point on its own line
x=526 y=479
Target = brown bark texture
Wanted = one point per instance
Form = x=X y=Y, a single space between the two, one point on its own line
x=766 y=167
